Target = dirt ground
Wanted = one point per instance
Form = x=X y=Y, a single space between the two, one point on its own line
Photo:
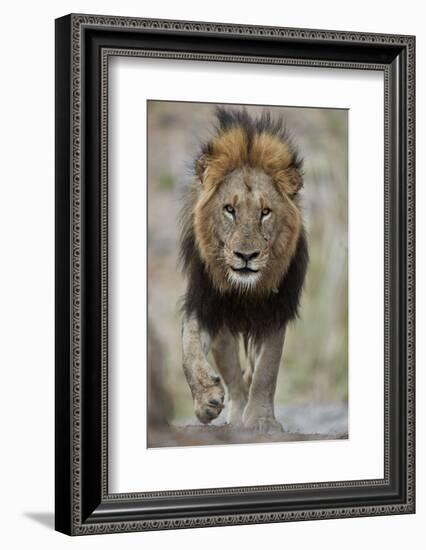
x=301 y=423
x=176 y=436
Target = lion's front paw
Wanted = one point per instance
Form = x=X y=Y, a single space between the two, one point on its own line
x=263 y=424
x=208 y=404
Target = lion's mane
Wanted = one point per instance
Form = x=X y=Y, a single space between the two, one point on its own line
x=256 y=142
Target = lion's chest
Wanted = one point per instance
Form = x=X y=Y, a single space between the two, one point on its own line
x=251 y=318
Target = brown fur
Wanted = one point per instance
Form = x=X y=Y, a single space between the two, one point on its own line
x=232 y=150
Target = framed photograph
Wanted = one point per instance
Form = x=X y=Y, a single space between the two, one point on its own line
x=234 y=274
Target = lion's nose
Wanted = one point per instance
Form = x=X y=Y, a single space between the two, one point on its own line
x=247 y=256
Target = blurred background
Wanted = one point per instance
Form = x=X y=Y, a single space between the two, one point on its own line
x=312 y=391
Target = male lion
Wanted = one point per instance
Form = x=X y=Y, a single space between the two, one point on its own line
x=244 y=254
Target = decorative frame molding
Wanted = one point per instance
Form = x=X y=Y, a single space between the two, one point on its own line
x=84 y=43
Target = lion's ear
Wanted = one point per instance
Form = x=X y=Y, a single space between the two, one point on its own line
x=200 y=167
x=294 y=180
x=289 y=180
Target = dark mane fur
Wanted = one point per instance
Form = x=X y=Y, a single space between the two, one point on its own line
x=264 y=123
x=251 y=316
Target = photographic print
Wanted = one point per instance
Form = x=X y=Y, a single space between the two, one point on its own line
x=247 y=273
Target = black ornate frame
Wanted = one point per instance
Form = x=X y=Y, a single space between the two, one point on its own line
x=84 y=44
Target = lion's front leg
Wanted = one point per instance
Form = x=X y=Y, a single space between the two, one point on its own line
x=259 y=412
x=205 y=384
x=225 y=353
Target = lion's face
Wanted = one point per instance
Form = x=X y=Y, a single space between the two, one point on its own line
x=247 y=232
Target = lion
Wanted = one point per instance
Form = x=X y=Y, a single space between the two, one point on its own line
x=244 y=253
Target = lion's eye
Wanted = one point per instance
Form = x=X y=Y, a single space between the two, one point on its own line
x=230 y=209
x=265 y=212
